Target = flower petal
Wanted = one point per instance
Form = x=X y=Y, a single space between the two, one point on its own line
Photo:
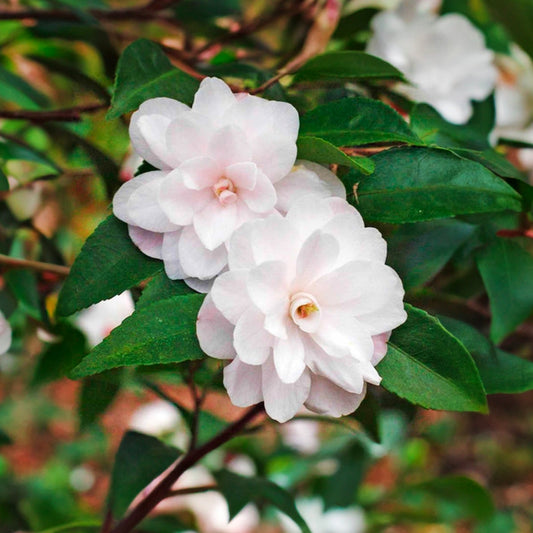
x=171 y=256
x=215 y=223
x=262 y=198
x=200 y=172
x=282 y=400
x=252 y=343
x=274 y=156
x=230 y=295
x=380 y=347
x=325 y=398
x=243 y=175
x=243 y=383
x=214 y=332
x=148 y=242
x=229 y=145
x=267 y=286
x=123 y=195
x=316 y=258
x=289 y=356
x=197 y=261
x=148 y=127
x=145 y=210
x=5 y=335
x=179 y=202
x=213 y=98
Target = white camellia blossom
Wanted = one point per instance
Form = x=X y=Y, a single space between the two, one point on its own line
x=445 y=58
x=304 y=310
x=228 y=159
x=5 y=334
x=335 y=520
x=98 y=320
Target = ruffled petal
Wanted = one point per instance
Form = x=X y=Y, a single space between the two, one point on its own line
x=123 y=195
x=316 y=258
x=289 y=356
x=229 y=145
x=274 y=156
x=213 y=98
x=267 y=286
x=243 y=175
x=197 y=261
x=262 y=198
x=231 y=295
x=148 y=242
x=243 y=383
x=148 y=127
x=171 y=255
x=214 y=332
x=282 y=400
x=215 y=223
x=325 y=398
x=252 y=343
x=200 y=172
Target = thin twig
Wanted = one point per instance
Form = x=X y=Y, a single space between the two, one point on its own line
x=162 y=489
x=69 y=114
x=38 y=266
x=191 y=490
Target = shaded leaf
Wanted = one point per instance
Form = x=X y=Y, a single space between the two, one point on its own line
x=144 y=72
x=501 y=372
x=164 y=332
x=97 y=394
x=108 y=264
x=15 y=89
x=428 y=366
x=507 y=272
x=162 y=288
x=321 y=151
x=240 y=490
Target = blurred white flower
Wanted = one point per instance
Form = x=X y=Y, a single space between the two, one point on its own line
x=160 y=418
x=223 y=162
x=336 y=520
x=100 y=319
x=304 y=311
x=302 y=435
x=5 y=334
x=444 y=57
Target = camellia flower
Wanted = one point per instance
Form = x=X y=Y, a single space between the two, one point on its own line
x=5 y=334
x=304 y=311
x=444 y=57
x=227 y=160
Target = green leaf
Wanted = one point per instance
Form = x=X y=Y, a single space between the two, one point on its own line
x=15 y=89
x=470 y=498
x=414 y=184
x=164 y=332
x=144 y=72
x=162 y=288
x=4 y=184
x=240 y=490
x=356 y=121
x=60 y=357
x=12 y=150
x=419 y=251
x=5 y=439
x=367 y=414
x=347 y=65
x=321 y=151
x=501 y=372
x=108 y=264
x=23 y=284
x=494 y=161
x=97 y=394
x=139 y=460
x=507 y=272
x=428 y=366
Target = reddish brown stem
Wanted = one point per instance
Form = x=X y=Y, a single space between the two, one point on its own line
x=69 y=114
x=13 y=262
x=162 y=489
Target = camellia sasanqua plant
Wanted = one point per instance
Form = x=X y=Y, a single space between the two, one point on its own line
x=283 y=245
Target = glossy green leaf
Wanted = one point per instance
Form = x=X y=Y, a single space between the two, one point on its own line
x=108 y=264
x=415 y=184
x=144 y=72
x=23 y=284
x=501 y=372
x=4 y=184
x=60 y=357
x=356 y=121
x=347 y=65
x=140 y=459
x=12 y=150
x=507 y=272
x=162 y=288
x=321 y=151
x=240 y=490
x=428 y=366
x=96 y=395
x=419 y=251
x=164 y=332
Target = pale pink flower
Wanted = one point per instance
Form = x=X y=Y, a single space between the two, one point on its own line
x=5 y=334
x=304 y=310
x=445 y=58
x=228 y=159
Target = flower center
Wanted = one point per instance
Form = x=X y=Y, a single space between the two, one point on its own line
x=304 y=311
x=225 y=191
